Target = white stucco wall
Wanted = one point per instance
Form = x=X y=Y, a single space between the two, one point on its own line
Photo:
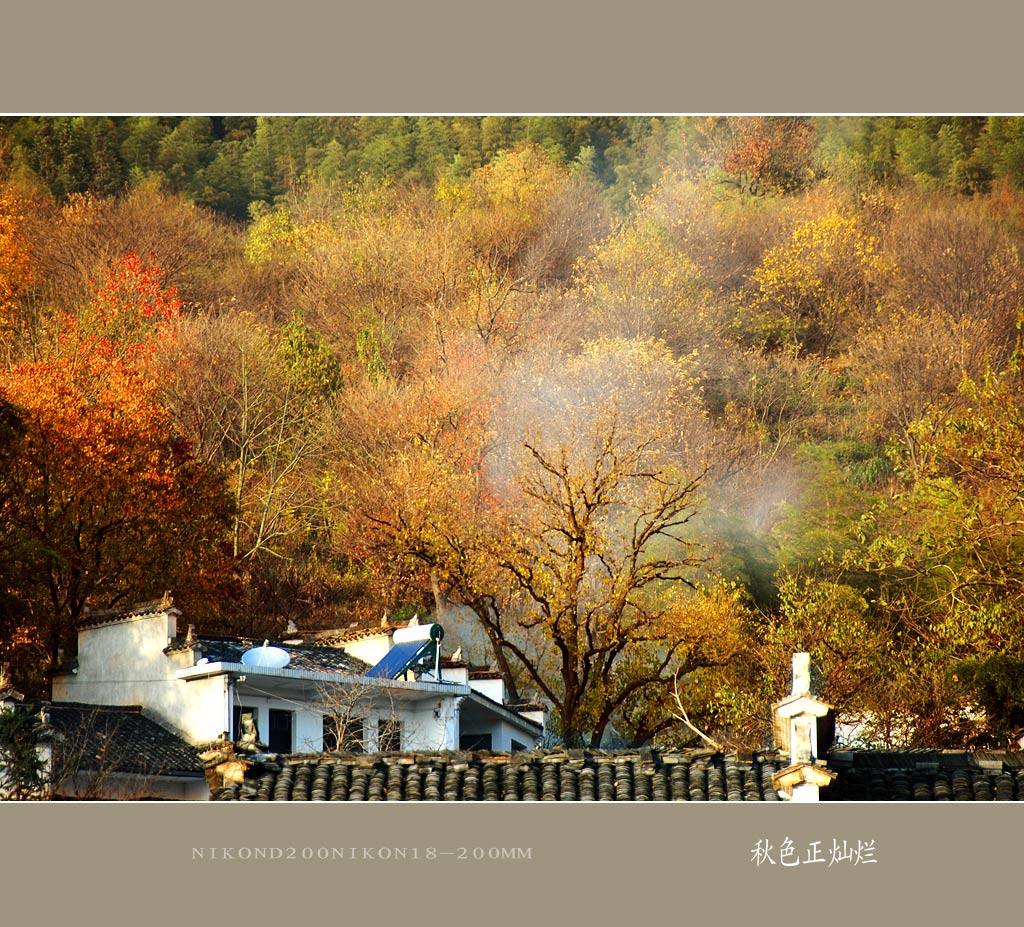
x=370 y=650
x=459 y=674
x=428 y=724
x=502 y=732
x=123 y=663
x=494 y=689
x=432 y=726
x=537 y=716
x=507 y=733
x=199 y=707
x=307 y=721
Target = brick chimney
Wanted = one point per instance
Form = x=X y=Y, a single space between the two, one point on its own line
x=795 y=723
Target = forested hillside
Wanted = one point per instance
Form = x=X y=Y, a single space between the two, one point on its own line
x=640 y=405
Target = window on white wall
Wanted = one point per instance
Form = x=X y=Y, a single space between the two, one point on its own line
x=475 y=742
x=236 y=720
x=279 y=738
x=344 y=735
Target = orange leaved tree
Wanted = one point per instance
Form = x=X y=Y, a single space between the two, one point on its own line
x=101 y=501
x=16 y=274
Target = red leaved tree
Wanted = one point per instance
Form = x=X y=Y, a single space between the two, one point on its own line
x=101 y=501
x=771 y=154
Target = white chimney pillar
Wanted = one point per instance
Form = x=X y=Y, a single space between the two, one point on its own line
x=797 y=723
x=804 y=792
x=801 y=674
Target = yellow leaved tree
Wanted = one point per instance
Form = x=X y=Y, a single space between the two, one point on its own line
x=806 y=289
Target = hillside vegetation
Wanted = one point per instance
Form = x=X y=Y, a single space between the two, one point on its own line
x=640 y=405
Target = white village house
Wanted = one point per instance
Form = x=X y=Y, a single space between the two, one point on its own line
x=135 y=717
x=391 y=683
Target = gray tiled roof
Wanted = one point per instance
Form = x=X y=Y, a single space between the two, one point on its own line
x=646 y=775
x=926 y=775
x=573 y=775
x=342 y=635
x=116 y=739
x=304 y=656
x=140 y=609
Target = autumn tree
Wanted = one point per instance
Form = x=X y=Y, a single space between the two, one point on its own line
x=911 y=364
x=21 y=643
x=253 y=400
x=74 y=242
x=808 y=289
x=393 y=275
x=956 y=259
x=16 y=272
x=559 y=518
x=771 y=154
x=852 y=653
x=582 y=555
x=521 y=223
x=942 y=555
x=637 y=284
x=407 y=469
x=348 y=260
x=601 y=475
x=102 y=500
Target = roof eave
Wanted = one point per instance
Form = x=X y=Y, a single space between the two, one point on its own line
x=241 y=669
x=507 y=713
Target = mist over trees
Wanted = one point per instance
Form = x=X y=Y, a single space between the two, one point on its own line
x=639 y=405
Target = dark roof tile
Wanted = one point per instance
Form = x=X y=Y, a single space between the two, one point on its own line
x=116 y=739
x=309 y=657
x=555 y=775
x=126 y=613
x=925 y=775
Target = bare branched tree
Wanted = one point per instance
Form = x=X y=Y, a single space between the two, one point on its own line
x=365 y=718
x=347 y=709
x=683 y=715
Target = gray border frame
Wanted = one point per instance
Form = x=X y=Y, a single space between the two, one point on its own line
x=603 y=864
x=463 y=56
